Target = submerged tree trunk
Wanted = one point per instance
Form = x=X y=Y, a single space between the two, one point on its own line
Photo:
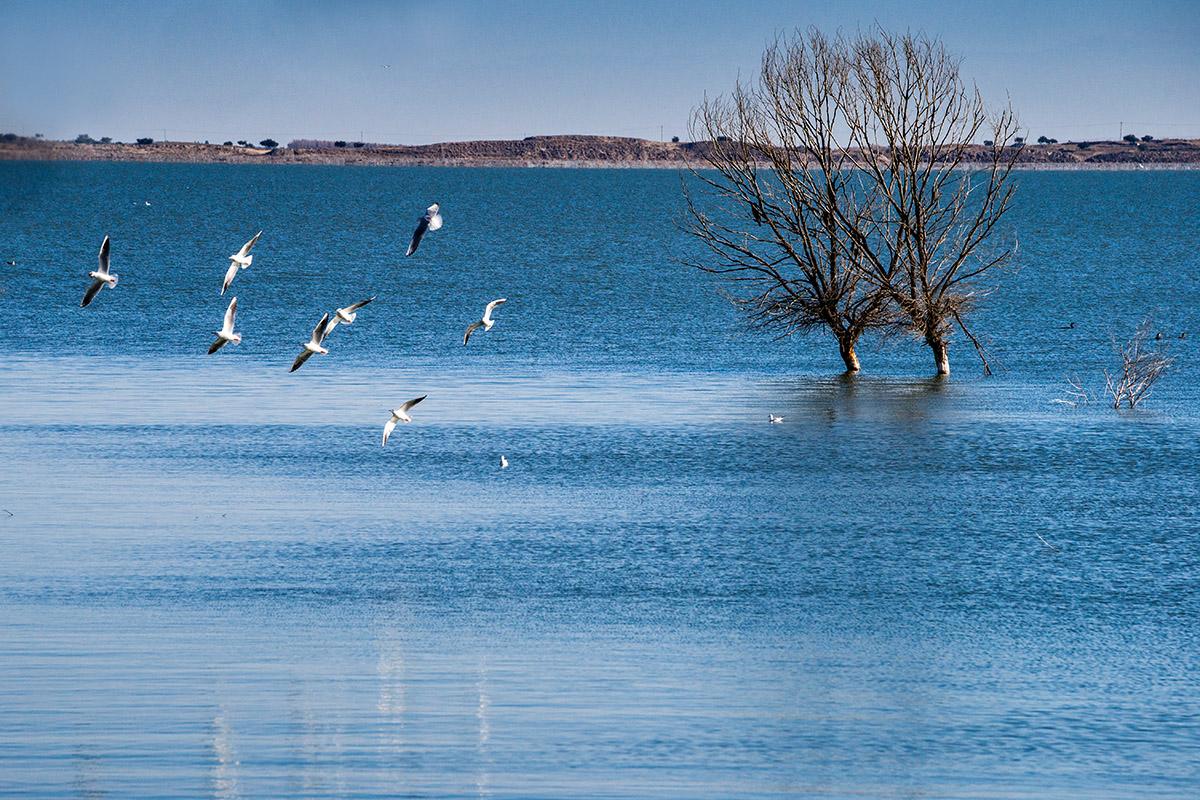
x=849 y=356
x=941 y=355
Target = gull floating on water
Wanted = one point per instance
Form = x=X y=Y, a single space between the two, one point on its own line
x=239 y=260
x=399 y=415
x=431 y=220
x=11 y=263
x=313 y=345
x=774 y=420
x=100 y=277
x=486 y=322
x=503 y=462
x=226 y=334
x=346 y=315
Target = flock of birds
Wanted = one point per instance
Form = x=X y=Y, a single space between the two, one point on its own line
x=431 y=220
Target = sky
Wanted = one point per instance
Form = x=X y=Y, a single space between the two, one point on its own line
x=440 y=70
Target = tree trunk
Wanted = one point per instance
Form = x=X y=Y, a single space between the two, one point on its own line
x=849 y=357
x=941 y=356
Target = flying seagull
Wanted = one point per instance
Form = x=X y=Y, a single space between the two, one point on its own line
x=11 y=263
x=313 y=345
x=346 y=315
x=486 y=322
x=100 y=278
x=1070 y=327
x=431 y=220
x=239 y=260
x=773 y=419
x=226 y=334
x=399 y=415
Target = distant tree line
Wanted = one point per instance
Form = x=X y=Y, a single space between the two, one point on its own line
x=321 y=144
x=1129 y=137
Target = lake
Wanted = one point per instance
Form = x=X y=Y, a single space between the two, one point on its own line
x=214 y=581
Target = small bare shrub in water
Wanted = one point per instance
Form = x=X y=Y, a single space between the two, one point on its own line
x=1142 y=364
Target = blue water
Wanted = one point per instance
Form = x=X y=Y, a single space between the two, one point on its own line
x=214 y=582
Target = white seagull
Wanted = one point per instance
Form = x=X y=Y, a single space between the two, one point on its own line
x=226 y=334
x=486 y=322
x=399 y=415
x=239 y=260
x=503 y=462
x=431 y=220
x=100 y=277
x=774 y=420
x=346 y=315
x=313 y=345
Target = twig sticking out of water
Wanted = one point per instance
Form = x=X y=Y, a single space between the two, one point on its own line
x=1053 y=547
x=1075 y=394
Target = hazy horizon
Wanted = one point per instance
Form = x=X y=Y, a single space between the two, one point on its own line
x=420 y=73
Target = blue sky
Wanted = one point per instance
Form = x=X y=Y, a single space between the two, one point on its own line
x=444 y=70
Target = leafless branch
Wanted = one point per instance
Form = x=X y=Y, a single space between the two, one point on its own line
x=1075 y=395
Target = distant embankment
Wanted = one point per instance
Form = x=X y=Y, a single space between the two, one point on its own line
x=547 y=151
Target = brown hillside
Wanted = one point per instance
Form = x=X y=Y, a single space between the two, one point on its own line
x=547 y=151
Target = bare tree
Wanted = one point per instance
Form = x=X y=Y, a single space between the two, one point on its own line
x=938 y=205
x=871 y=206
x=781 y=219
x=1141 y=366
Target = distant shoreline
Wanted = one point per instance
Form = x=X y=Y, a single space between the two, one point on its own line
x=587 y=152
